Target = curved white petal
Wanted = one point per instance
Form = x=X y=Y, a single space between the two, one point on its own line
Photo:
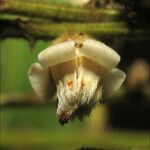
x=100 y=53
x=57 y=54
x=114 y=80
x=41 y=81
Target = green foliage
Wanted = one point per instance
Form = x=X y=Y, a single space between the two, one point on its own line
x=16 y=58
x=36 y=127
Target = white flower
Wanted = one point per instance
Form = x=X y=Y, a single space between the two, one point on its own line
x=83 y=71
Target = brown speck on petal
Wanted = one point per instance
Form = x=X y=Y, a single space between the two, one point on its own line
x=78 y=45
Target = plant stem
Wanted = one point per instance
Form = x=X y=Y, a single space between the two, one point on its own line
x=58 y=13
x=48 y=30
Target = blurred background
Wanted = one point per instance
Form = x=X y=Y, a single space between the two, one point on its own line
x=29 y=26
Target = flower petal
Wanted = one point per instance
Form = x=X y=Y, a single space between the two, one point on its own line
x=41 y=81
x=57 y=54
x=100 y=53
x=114 y=80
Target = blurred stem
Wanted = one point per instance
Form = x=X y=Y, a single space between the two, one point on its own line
x=35 y=20
x=47 y=30
x=58 y=13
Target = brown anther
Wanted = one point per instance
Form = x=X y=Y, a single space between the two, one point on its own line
x=70 y=83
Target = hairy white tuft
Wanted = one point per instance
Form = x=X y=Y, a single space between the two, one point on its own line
x=80 y=87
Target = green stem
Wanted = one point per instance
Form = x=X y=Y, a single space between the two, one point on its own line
x=58 y=13
x=48 y=30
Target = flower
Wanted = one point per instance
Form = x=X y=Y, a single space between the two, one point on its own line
x=83 y=71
